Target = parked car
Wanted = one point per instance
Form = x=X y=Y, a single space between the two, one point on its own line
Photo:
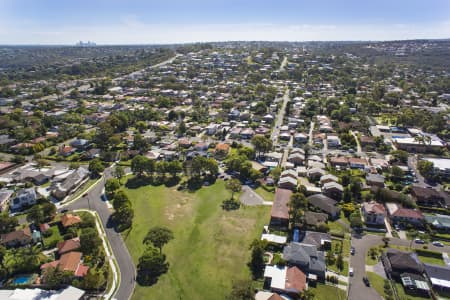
x=419 y=241
x=438 y=244
x=366 y=281
x=350 y=271
x=352 y=250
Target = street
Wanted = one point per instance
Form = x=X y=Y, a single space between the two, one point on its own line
x=94 y=202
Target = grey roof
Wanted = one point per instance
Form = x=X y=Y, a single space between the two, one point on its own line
x=312 y=218
x=305 y=255
x=324 y=203
x=439 y=272
x=315 y=238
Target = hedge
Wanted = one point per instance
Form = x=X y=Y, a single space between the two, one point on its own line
x=428 y=253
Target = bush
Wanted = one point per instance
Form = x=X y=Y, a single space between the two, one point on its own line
x=428 y=253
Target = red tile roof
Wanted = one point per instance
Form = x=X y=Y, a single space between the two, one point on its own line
x=69 y=245
x=408 y=213
x=69 y=220
x=295 y=280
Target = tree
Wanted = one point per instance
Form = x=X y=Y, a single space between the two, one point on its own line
x=35 y=215
x=276 y=173
x=234 y=186
x=112 y=185
x=261 y=143
x=340 y=262
x=49 y=210
x=151 y=265
x=94 y=279
x=120 y=199
x=256 y=263
x=158 y=236
x=89 y=241
x=54 y=278
x=123 y=216
x=139 y=165
x=7 y=223
x=242 y=290
x=426 y=169
x=96 y=167
x=396 y=174
x=119 y=172
x=386 y=241
x=400 y=156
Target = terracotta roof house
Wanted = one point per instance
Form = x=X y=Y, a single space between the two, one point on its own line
x=279 y=216
x=373 y=212
x=397 y=262
x=68 y=220
x=285 y=280
x=428 y=197
x=68 y=245
x=406 y=215
x=71 y=262
x=357 y=163
x=325 y=204
x=17 y=238
x=339 y=161
x=222 y=149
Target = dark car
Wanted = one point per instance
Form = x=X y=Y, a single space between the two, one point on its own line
x=352 y=250
x=366 y=281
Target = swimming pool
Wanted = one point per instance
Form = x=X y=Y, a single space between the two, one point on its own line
x=24 y=279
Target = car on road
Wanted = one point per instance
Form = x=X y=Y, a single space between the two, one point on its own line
x=366 y=281
x=352 y=250
x=350 y=271
x=438 y=244
x=419 y=241
x=85 y=194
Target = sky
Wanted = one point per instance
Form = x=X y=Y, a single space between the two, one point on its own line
x=181 y=21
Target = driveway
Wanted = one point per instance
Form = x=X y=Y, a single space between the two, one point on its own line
x=250 y=197
x=94 y=202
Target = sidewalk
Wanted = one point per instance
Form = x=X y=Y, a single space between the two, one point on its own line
x=108 y=255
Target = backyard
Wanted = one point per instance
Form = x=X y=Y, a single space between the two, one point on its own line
x=208 y=240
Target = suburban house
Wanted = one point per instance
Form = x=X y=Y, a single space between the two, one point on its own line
x=339 y=161
x=68 y=220
x=439 y=222
x=285 y=280
x=333 y=190
x=24 y=197
x=325 y=204
x=5 y=196
x=306 y=257
x=374 y=213
x=70 y=262
x=68 y=245
x=398 y=262
x=296 y=158
x=357 y=163
x=375 y=180
x=287 y=182
x=427 y=197
x=328 y=178
x=72 y=182
x=16 y=238
x=439 y=276
x=279 y=216
x=406 y=215
x=314 y=218
x=321 y=240
x=415 y=284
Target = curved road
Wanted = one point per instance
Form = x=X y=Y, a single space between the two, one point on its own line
x=94 y=202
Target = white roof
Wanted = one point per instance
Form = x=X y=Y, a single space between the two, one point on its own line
x=278 y=239
x=278 y=275
x=440 y=282
x=69 y=293
x=439 y=163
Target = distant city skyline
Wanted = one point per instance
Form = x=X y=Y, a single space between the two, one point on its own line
x=178 y=21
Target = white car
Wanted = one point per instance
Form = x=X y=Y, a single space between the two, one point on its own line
x=350 y=271
x=438 y=244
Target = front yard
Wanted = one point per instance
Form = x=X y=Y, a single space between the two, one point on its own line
x=210 y=248
x=327 y=292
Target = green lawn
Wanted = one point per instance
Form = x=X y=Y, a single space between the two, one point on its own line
x=327 y=292
x=51 y=241
x=370 y=261
x=210 y=248
x=432 y=260
x=377 y=282
x=268 y=196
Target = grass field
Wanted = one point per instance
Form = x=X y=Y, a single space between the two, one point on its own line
x=53 y=239
x=268 y=196
x=432 y=260
x=326 y=292
x=377 y=282
x=210 y=248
